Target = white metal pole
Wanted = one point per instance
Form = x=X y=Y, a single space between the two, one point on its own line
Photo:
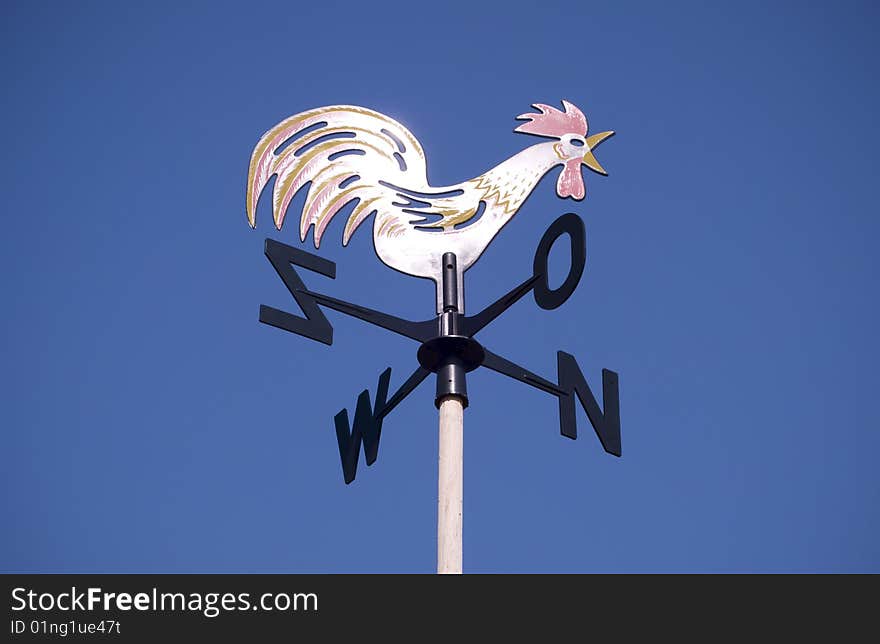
x=450 y=485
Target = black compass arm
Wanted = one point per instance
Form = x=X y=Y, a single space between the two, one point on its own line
x=471 y=325
x=426 y=329
x=402 y=392
x=419 y=331
x=507 y=368
x=572 y=385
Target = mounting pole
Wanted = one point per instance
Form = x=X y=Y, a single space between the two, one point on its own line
x=450 y=486
x=451 y=400
x=450 y=355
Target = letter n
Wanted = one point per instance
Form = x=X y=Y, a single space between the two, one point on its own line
x=366 y=428
x=607 y=422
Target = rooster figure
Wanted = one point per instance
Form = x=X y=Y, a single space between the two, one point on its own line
x=353 y=154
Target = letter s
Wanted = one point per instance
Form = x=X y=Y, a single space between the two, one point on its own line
x=23 y=603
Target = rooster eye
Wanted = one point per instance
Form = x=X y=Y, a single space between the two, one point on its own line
x=578 y=143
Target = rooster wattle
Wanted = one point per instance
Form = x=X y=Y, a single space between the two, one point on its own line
x=353 y=154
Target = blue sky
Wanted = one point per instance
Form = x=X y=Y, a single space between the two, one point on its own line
x=151 y=424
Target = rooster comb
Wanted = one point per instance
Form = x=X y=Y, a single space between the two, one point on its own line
x=553 y=122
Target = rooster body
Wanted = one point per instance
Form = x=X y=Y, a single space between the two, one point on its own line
x=353 y=154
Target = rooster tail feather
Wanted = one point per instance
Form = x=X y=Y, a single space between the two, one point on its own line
x=344 y=153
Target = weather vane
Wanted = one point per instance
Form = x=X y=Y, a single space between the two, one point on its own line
x=352 y=155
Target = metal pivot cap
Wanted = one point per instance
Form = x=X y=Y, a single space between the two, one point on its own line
x=451 y=357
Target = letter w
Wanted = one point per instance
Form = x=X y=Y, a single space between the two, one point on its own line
x=367 y=428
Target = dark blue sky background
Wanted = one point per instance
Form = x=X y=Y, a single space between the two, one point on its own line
x=150 y=423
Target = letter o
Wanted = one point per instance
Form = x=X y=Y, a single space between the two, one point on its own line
x=570 y=223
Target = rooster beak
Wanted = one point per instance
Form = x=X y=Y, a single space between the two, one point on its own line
x=590 y=160
x=592 y=164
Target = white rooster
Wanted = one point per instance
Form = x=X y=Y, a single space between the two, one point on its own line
x=353 y=154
